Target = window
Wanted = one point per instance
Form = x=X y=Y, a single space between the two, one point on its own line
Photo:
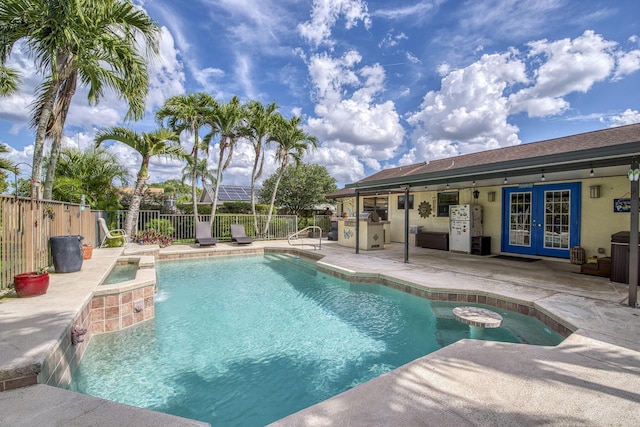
x=445 y=200
x=378 y=205
x=401 y=202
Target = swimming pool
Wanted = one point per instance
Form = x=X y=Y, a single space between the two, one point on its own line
x=249 y=340
x=121 y=273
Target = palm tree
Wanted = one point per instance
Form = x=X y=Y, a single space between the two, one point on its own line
x=6 y=164
x=162 y=142
x=228 y=121
x=292 y=144
x=54 y=130
x=261 y=122
x=189 y=113
x=8 y=80
x=94 y=41
x=91 y=173
x=202 y=171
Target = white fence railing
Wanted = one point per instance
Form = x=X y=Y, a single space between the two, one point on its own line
x=181 y=227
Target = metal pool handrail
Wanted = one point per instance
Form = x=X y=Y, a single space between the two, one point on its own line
x=306 y=229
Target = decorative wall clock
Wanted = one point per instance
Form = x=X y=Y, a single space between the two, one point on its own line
x=424 y=209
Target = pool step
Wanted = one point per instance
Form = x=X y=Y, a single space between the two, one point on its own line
x=289 y=262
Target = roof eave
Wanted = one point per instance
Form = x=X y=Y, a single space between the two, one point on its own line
x=573 y=160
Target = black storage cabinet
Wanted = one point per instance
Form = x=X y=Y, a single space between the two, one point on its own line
x=67 y=253
x=620 y=257
x=433 y=240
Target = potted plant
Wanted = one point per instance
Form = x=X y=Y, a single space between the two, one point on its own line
x=32 y=283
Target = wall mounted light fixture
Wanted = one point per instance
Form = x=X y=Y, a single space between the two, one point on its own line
x=594 y=191
x=491 y=196
x=476 y=194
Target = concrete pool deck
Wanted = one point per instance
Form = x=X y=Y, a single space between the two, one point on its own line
x=592 y=378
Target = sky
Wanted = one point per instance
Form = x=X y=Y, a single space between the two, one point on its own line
x=380 y=83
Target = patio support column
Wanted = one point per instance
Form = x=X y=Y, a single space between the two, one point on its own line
x=406 y=223
x=357 y=221
x=633 y=235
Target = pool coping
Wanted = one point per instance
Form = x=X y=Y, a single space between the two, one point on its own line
x=549 y=302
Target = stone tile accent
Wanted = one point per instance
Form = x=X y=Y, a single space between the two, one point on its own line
x=122 y=309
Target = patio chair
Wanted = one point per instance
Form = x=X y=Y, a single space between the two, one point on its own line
x=203 y=234
x=118 y=235
x=239 y=236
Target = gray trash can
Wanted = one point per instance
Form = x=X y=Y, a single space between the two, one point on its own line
x=67 y=253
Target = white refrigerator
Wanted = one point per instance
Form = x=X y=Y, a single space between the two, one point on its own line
x=465 y=222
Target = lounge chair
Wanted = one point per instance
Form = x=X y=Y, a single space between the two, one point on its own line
x=239 y=236
x=117 y=236
x=203 y=234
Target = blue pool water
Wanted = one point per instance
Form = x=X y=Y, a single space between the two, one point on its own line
x=246 y=341
x=121 y=273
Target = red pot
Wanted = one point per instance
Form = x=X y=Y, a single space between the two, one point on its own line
x=31 y=284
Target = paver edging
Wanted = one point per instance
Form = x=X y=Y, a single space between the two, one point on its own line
x=529 y=308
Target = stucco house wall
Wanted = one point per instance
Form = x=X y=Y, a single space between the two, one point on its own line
x=598 y=220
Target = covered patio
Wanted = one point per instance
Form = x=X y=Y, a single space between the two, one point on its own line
x=517 y=188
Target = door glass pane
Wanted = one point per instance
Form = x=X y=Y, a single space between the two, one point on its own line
x=520 y=219
x=556 y=219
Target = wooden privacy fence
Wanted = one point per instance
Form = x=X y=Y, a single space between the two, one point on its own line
x=26 y=226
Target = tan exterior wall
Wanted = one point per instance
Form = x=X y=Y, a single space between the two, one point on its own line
x=598 y=221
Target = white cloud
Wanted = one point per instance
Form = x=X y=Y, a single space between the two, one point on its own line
x=509 y=19
x=628 y=117
x=391 y=39
x=330 y=75
x=569 y=66
x=340 y=163
x=412 y=58
x=627 y=63
x=325 y=14
x=166 y=76
x=16 y=108
x=416 y=12
x=243 y=70
x=444 y=69
x=207 y=77
x=357 y=131
x=348 y=118
x=256 y=24
x=469 y=113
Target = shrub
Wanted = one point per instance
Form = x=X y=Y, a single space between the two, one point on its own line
x=304 y=222
x=153 y=237
x=162 y=226
x=115 y=242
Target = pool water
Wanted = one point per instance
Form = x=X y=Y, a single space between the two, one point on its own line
x=121 y=273
x=248 y=340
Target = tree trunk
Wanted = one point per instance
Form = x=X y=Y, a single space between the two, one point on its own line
x=67 y=90
x=194 y=177
x=214 y=202
x=134 y=207
x=63 y=71
x=273 y=201
x=38 y=145
x=255 y=175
